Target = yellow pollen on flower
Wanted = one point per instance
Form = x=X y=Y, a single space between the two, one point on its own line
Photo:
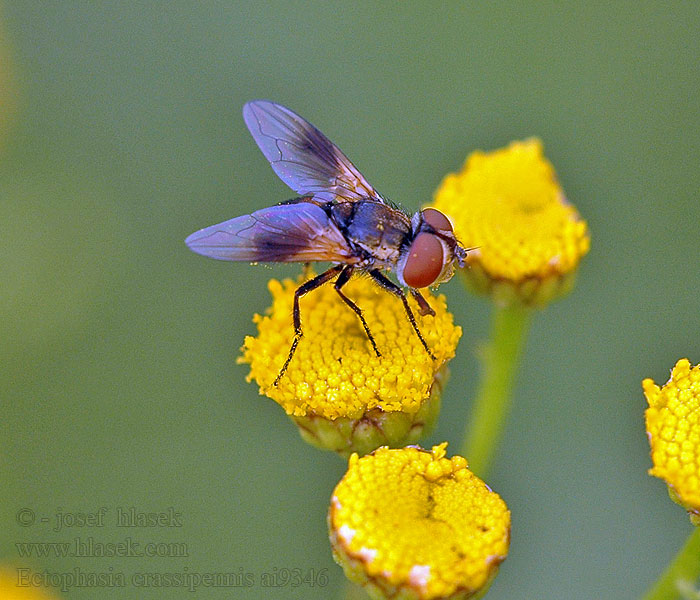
x=508 y=205
x=335 y=372
x=673 y=429
x=420 y=523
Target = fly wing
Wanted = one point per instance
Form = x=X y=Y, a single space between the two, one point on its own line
x=284 y=233
x=305 y=159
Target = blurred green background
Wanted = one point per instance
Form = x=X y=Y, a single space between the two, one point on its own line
x=122 y=134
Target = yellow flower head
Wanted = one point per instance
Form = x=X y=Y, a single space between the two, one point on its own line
x=335 y=387
x=19 y=584
x=673 y=428
x=508 y=206
x=414 y=524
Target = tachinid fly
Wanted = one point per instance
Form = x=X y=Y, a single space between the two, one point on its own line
x=338 y=218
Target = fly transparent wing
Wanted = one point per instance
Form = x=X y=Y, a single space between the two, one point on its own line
x=284 y=233
x=305 y=159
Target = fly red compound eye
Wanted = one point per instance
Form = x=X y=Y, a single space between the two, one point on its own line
x=436 y=220
x=425 y=261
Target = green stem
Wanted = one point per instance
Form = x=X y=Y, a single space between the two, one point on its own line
x=509 y=326
x=682 y=572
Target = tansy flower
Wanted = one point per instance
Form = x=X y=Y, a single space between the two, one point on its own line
x=527 y=239
x=673 y=429
x=413 y=524
x=13 y=587
x=341 y=394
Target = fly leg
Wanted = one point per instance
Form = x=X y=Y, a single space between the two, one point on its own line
x=303 y=289
x=390 y=286
x=339 y=283
x=423 y=303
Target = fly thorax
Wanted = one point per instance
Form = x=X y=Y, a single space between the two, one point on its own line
x=375 y=227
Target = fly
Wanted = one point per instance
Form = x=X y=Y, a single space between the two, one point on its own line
x=338 y=218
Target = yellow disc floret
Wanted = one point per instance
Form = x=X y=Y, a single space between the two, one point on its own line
x=334 y=372
x=508 y=206
x=673 y=428
x=409 y=523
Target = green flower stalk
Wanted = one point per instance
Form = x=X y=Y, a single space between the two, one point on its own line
x=509 y=326
x=679 y=579
x=527 y=242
